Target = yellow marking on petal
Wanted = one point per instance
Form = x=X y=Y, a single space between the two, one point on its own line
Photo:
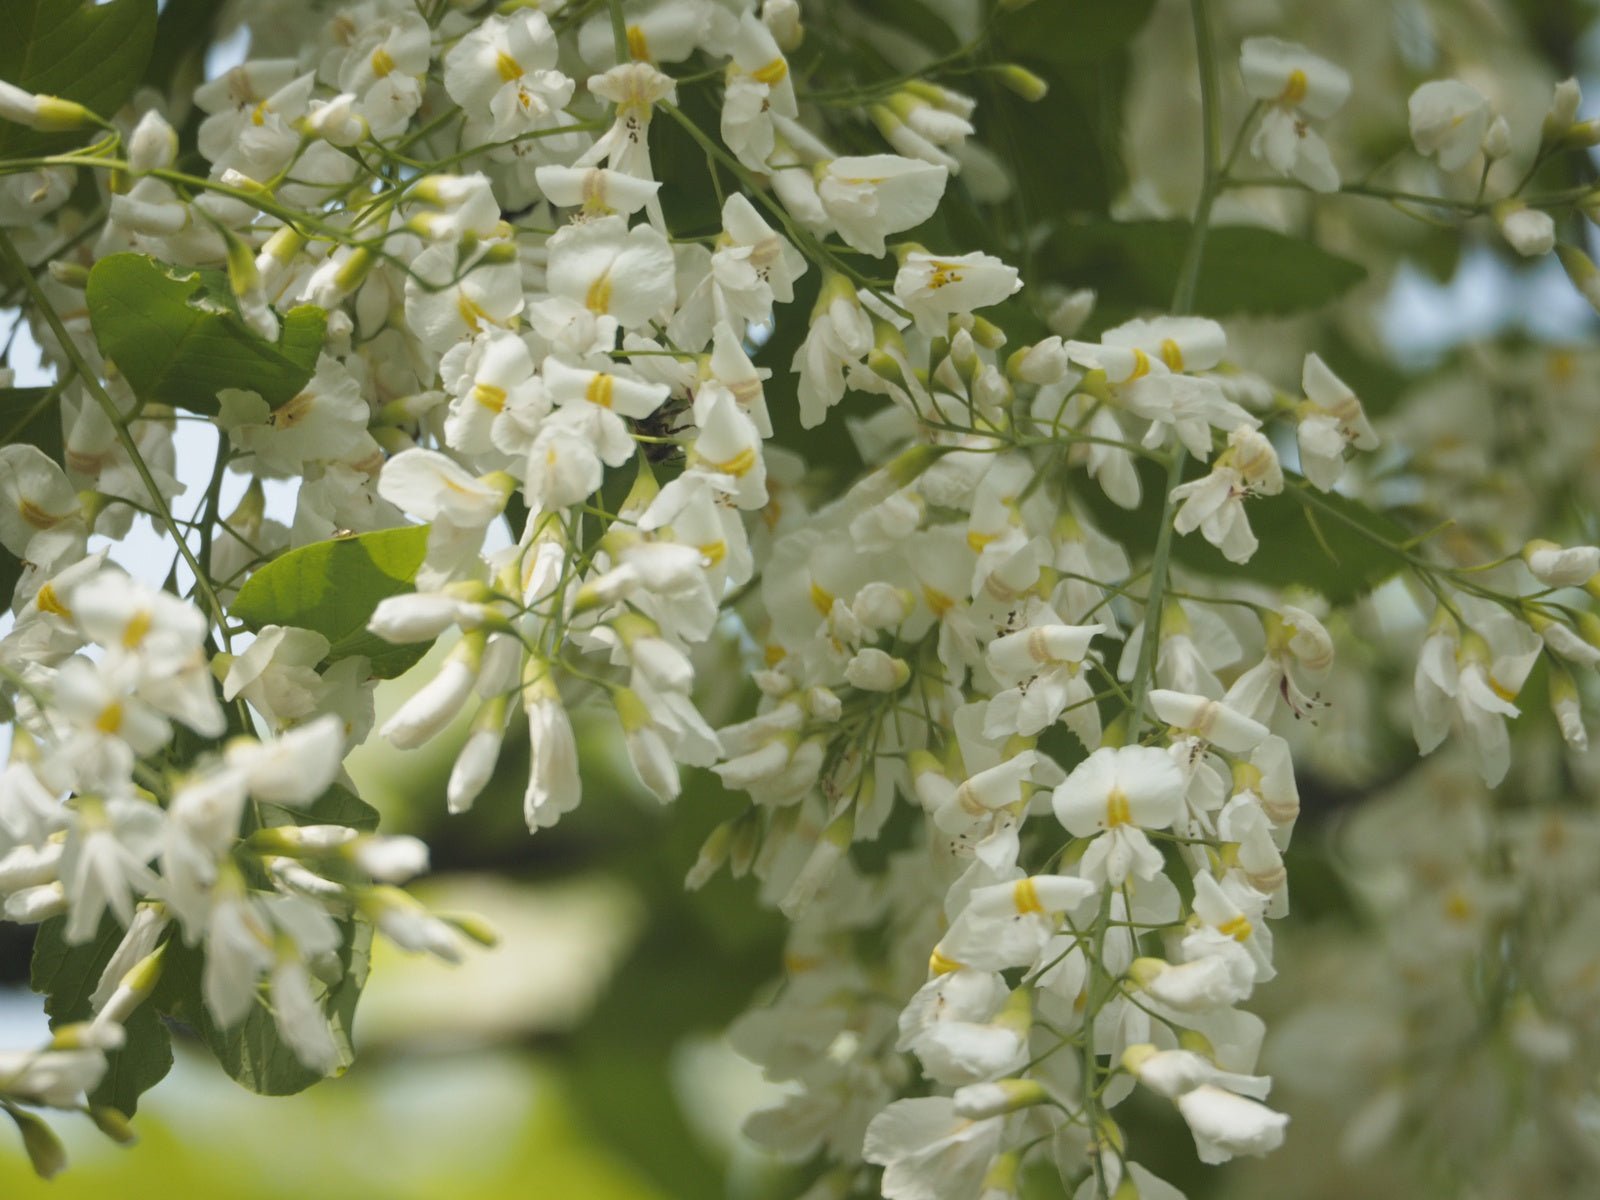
x=508 y=67
x=1499 y=689
x=38 y=517
x=1295 y=90
x=978 y=540
x=598 y=298
x=471 y=313
x=1118 y=811
x=258 y=115
x=1141 y=365
x=1238 y=928
x=638 y=44
x=137 y=629
x=798 y=964
x=967 y=800
x=1025 y=896
x=47 y=600
x=938 y=603
x=110 y=718
x=491 y=397
x=774 y=654
x=939 y=964
x=1172 y=354
x=601 y=389
x=821 y=598
x=773 y=73
x=714 y=552
x=740 y=464
x=382 y=63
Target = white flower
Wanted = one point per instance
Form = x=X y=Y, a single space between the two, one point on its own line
x=1448 y=121
x=553 y=783
x=928 y=1151
x=1330 y=419
x=104 y=864
x=868 y=198
x=1215 y=504
x=1293 y=84
x=445 y=302
x=277 y=675
x=300 y=1019
x=840 y=335
x=933 y=288
x=1042 y=667
x=1225 y=1125
x=1211 y=720
x=1007 y=924
x=502 y=74
x=1113 y=796
x=1171 y=1073
x=612 y=270
x=294 y=768
x=35 y=497
x=432 y=706
x=52 y=1077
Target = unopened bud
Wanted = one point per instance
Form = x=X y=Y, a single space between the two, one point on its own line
x=113 y=1124
x=977 y=1101
x=1022 y=81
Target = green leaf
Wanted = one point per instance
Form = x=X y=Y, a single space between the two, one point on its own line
x=1246 y=269
x=333 y=586
x=179 y=340
x=76 y=49
x=1324 y=541
x=336 y=806
x=1069 y=32
x=67 y=976
x=252 y=1052
x=141 y=1063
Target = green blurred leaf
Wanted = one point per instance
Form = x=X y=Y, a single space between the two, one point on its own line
x=333 y=586
x=1069 y=33
x=178 y=339
x=31 y=416
x=183 y=32
x=78 y=50
x=1323 y=541
x=1246 y=269
x=68 y=976
x=44 y=1149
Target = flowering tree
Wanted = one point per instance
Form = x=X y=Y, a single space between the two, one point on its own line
x=1000 y=394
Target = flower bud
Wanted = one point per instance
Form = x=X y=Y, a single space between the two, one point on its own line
x=1497 y=139
x=48 y=114
x=977 y=1101
x=1556 y=566
x=872 y=670
x=1022 y=81
x=1528 y=231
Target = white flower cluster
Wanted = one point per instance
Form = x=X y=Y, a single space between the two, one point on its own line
x=1065 y=723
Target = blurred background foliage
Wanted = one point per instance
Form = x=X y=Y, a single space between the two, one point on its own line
x=583 y=1057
